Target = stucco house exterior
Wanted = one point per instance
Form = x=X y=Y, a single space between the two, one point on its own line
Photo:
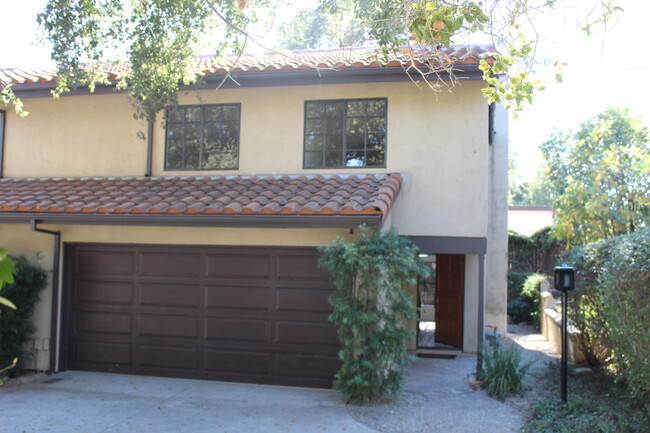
x=192 y=252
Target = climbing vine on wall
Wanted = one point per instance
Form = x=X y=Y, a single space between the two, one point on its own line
x=372 y=310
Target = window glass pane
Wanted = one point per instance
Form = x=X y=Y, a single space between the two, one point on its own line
x=377 y=124
x=193 y=114
x=314 y=126
x=220 y=161
x=357 y=108
x=315 y=109
x=334 y=109
x=375 y=158
x=376 y=141
x=334 y=142
x=174 y=154
x=314 y=142
x=334 y=126
x=313 y=159
x=175 y=132
x=356 y=125
x=211 y=131
x=176 y=114
x=213 y=113
x=354 y=159
x=192 y=131
x=192 y=149
x=230 y=112
x=356 y=141
x=334 y=159
x=377 y=108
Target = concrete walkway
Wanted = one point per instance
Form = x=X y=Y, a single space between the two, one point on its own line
x=436 y=398
x=103 y=403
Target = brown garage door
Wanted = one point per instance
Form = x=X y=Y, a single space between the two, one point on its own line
x=224 y=313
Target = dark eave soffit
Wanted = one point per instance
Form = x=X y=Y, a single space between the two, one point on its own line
x=177 y=220
x=274 y=78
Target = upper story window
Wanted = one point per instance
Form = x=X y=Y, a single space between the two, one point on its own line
x=203 y=137
x=345 y=133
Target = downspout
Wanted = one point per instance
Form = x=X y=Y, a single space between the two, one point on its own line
x=150 y=124
x=55 y=293
x=480 y=338
x=2 y=140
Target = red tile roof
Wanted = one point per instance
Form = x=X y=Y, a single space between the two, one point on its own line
x=239 y=195
x=342 y=58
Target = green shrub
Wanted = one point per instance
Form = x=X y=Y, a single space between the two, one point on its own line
x=503 y=372
x=515 y=283
x=626 y=288
x=15 y=325
x=531 y=292
x=371 y=310
x=611 y=308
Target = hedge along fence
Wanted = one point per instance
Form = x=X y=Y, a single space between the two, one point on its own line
x=612 y=308
x=536 y=254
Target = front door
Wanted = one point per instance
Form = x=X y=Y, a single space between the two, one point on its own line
x=450 y=282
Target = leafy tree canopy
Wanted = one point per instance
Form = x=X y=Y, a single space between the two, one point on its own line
x=159 y=37
x=598 y=176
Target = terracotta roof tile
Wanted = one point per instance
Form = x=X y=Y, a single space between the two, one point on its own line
x=270 y=195
x=336 y=59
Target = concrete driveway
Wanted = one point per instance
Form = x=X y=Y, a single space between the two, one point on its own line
x=98 y=403
x=436 y=398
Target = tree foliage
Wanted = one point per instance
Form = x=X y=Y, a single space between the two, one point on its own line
x=599 y=177
x=7 y=271
x=372 y=310
x=408 y=25
x=157 y=37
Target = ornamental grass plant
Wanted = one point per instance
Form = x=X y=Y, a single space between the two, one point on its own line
x=503 y=371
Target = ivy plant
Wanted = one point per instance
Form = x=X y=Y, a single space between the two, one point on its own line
x=372 y=310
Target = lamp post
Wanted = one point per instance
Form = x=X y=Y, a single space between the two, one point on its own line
x=564 y=281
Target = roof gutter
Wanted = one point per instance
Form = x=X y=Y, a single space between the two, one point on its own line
x=195 y=220
x=264 y=78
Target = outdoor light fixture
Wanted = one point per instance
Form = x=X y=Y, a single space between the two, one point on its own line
x=564 y=281
x=564 y=277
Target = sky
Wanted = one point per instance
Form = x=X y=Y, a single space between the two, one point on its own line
x=608 y=69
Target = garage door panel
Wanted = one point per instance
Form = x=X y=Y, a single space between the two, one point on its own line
x=242 y=362
x=103 y=352
x=302 y=267
x=170 y=264
x=307 y=366
x=240 y=298
x=306 y=333
x=257 y=331
x=151 y=325
x=103 y=322
x=170 y=295
x=288 y=299
x=105 y=292
x=105 y=263
x=253 y=314
x=167 y=357
x=247 y=266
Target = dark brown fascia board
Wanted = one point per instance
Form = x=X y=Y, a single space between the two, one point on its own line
x=449 y=245
x=183 y=220
x=300 y=77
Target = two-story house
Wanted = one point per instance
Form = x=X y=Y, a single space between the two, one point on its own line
x=193 y=252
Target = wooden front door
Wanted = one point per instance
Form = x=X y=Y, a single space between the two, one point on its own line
x=450 y=282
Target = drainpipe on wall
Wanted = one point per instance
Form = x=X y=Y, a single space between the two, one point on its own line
x=2 y=139
x=149 y=148
x=481 y=311
x=55 y=293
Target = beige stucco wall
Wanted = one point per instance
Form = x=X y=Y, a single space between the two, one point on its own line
x=437 y=141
